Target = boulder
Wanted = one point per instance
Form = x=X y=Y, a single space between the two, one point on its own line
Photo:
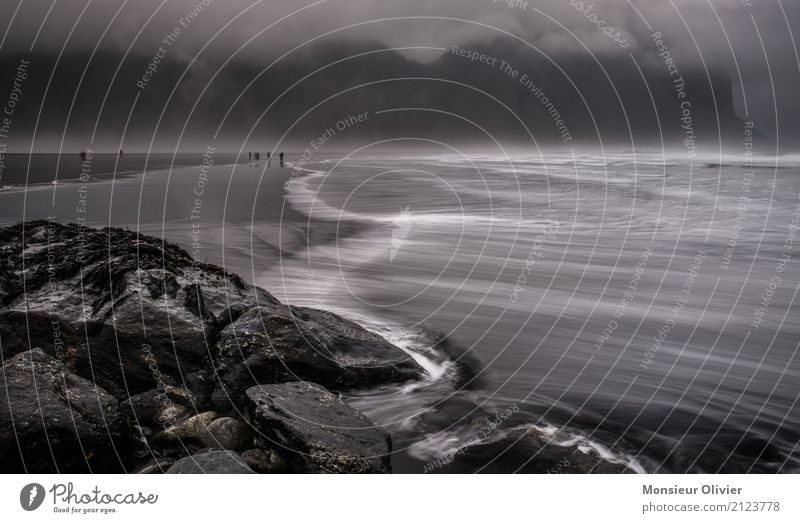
x=318 y=431
x=132 y=319
x=228 y=434
x=159 y=408
x=188 y=432
x=129 y=312
x=53 y=421
x=283 y=344
x=170 y=414
x=156 y=466
x=211 y=462
x=264 y=461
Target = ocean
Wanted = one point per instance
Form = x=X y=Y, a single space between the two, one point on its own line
x=642 y=305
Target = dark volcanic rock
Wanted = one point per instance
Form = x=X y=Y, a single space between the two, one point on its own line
x=228 y=434
x=127 y=318
x=188 y=432
x=319 y=431
x=124 y=310
x=156 y=466
x=530 y=451
x=211 y=462
x=282 y=344
x=264 y=461
x=54 y=421
x=160 y=408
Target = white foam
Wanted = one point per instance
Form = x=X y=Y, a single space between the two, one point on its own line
x=413 y=342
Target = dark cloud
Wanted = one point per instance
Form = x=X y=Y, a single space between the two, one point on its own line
x=752 y=43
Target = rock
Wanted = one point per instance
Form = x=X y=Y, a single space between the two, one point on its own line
x=156 y=466
x=214 y=462
x=203 y=451
x=53 y=421
x=530 y=451
x=157 y=408
x=127 y=318
x=132 y=312
x=366 y=358
x=282 y=344
x=228 y=434
x=322 y=433
x=200 y=384
x=170 y=414
x=264 y=461
x=189 y=431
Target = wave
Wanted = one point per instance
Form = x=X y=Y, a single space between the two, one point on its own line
x=418 y=343
x=305 y=199
x=435 y=415
x=436 y=445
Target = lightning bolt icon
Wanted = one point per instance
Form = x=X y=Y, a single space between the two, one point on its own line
x=32 y=496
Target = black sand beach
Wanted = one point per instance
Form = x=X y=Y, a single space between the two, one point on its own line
x=189 y=206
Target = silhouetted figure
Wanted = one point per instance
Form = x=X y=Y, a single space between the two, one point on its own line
x=269 y=158
x=120 y=152
x=281 y=156
x=83 y=156
x=249 y=156
x=258 y=156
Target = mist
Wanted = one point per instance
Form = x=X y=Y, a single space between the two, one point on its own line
x=228 y=60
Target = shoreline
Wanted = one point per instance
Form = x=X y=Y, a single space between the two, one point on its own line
x=221 y=381
x=249 y=239
x=195 y=392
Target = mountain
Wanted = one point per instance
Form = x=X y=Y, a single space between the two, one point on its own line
x=626 y=101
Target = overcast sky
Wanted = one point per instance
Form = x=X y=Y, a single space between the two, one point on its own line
x=754 y=42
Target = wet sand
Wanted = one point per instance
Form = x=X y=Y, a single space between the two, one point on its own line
x=235 y=216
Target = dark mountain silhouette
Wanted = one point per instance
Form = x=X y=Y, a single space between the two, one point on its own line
x=600 y=100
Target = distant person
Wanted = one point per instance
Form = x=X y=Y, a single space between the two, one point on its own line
x=269 y=158
x=258 y=156
x=249 y=156
x=83 y=156
x=120 y=152
x=281 y=156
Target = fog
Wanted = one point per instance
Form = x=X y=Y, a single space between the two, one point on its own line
x=752 y=45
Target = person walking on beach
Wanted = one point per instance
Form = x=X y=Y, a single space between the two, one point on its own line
x=281 y=156
x=249 y=155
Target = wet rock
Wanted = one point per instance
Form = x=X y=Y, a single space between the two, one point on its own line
x=156 y=466
x=54 y=421
x=264 y=461
x=132 y=312
x=320 y=431
x=169 y=415
x=128 y=318
x=159 y=408
x=212 y=462
x=282 y=344
x=187 y=432
x=228 y=434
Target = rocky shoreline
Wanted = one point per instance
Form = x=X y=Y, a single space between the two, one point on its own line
x=120 y=353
